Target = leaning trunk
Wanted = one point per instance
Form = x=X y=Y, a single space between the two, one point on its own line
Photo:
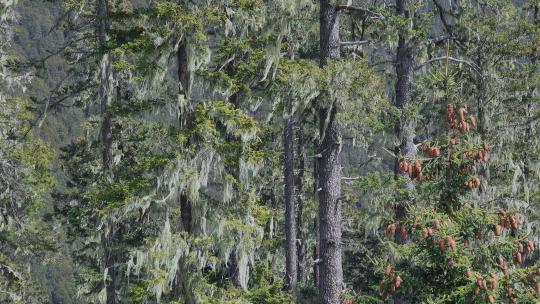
x=329 y=170
x=290 y=214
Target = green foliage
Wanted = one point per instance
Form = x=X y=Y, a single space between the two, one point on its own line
x=452 y=248
x=216 y=147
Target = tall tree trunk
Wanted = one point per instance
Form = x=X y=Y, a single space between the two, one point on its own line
x=290 y=214
x=404 y=76
x=105 y=91
x=529 y=138
x=331 y=272
x=316 y=219
x=105 y=88
x=316 y=253
x=299 y=184
x=185 y=212
x=405 y=127
x=185 y=122
x=107 y=241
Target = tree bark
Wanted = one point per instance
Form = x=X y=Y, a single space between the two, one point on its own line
x=403 y=98
x=329 y=170
x=185 y=212
x=529 y=107
x=290 y=214
x=105 y=91
x=404 y=76
x=330 y=273
x=529 y=143
x=105 y=87
x=109 y=259
x=185 y=122
x=316 y=253
x=184 y=77
x=316 y=219
x=299 y=184
x=329 y=33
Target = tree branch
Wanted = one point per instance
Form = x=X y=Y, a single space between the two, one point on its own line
x=469 y=63
x=351 y=43
x=227 y=62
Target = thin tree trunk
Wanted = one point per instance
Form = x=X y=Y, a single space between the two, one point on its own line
x=316 y=253
x=299 y=181
x=185 y=213
x=405 y=127
x=316 y=219
x=87 y=111
x=331 y=272
x=107 y=240
x=184 y=78
x=105 y=91
x=529 y=138
x=185 y=122
x=404 y=76
x=290 y=214
x=526 y=154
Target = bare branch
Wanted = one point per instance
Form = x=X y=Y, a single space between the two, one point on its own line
x=227 y=62
x=469 y=63
x=352 y=43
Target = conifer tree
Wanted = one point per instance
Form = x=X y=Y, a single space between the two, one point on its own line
x=203 y=123
x=329 y=168
x=459 y=253
x=25 y=178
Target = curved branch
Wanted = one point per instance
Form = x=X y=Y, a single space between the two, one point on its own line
x=457 y=60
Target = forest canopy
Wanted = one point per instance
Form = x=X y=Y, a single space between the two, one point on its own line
x=248 y=151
